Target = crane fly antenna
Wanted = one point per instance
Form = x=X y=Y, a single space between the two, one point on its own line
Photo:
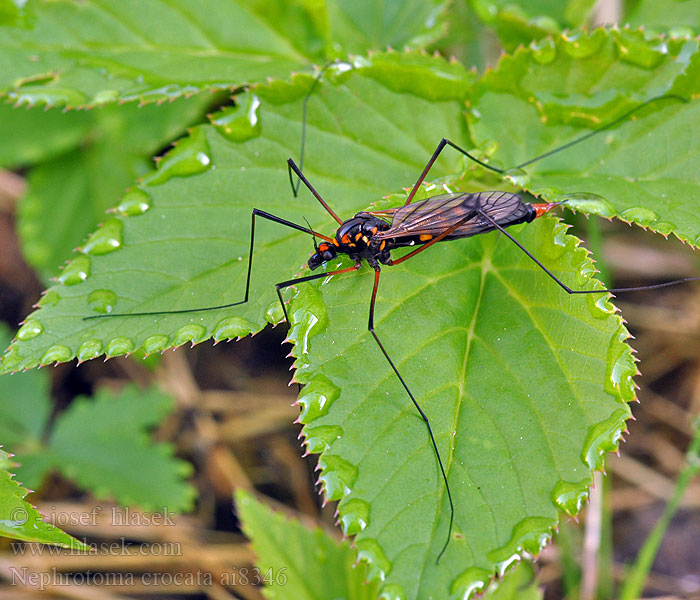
x=312 y=233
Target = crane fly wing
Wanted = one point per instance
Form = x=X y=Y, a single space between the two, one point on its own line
x=436 y=214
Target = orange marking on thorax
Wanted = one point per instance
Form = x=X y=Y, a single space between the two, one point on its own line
x=425 y=237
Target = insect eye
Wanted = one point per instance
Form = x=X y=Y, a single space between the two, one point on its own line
x=328 y=255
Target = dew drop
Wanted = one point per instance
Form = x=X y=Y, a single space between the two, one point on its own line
x=600 y=306
x=639 y=215
x=102 y=301
x=190 y=333
x=232 y=327
x=354 y=516
x=105 y=96
x=519 y=177
x=241 y=122
x=155 y=343
x=663 y=227
x=621 y=367
x=30 y=330
x=119 y=346
x=378 y=564
x=470 y=582
x=580 y=44
x=316 y=398
x=681 y=31
x=543 y=51
x=106 y=239
x=50 y=298
x=392 y=591
x=321 y=438
x=134 y=202
x=56 y=353
x=604 y=437
x=634 y=49
x=530 y=535
x=76 y=271
x=337 y=477
x=89 y=350
x=588 y=203
x=570 y=497
x=189 y=157
x=274 y=313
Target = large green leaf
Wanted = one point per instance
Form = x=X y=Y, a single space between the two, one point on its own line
x=644 y=169
x=87 y=53
x=189 y=248
x=525 y=386
x=97 y=51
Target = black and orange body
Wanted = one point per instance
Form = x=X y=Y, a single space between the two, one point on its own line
x=372 y=235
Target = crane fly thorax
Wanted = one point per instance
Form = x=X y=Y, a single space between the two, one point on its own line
x=354 y=238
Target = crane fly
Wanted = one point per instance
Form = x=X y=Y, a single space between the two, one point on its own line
x=371 y=236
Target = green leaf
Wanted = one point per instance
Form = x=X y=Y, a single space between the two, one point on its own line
x=520 y=22
x=20 y=520
x=32 y=136
x=296 y=562
x=360 y=25
x=69 y=195
x=189 y=248
x=103 y=445
x=641 y=170
x=526 y=387
x=24 y=405
x=98 y=51
x=672 y=16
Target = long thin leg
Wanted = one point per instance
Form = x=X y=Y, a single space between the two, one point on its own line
x=293 y=167
x=440 y=147
x=418 y=408
x=285 y=284
x=565 y=287
x=602 y=128
x=445 y=142
x=256 y=213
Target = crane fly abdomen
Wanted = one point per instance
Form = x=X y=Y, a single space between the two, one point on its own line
x=423 y=220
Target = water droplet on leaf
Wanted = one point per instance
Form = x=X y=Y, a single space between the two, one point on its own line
x=134 y=202
x=241 y=122
x=102 y=301
x=30 y=330
x=106 y=239
x=76 y=271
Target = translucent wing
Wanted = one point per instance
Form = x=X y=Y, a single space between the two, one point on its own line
x=433 y=216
